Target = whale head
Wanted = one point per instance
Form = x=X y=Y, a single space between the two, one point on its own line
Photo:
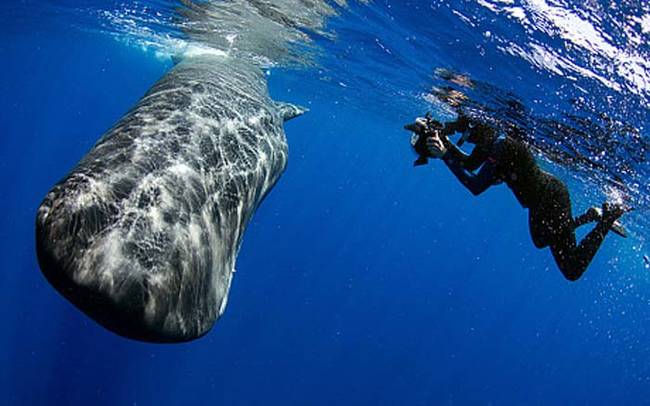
x=144 y=232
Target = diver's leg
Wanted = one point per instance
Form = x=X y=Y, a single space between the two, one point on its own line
x=538 y=232
x=557 y=225
x=596 y=214
x=552 y=222
x=564 y=249
x=552 y=214
x=591 y=215
x=573 y=260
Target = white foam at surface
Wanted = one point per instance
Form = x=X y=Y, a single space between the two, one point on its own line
x=607 y=63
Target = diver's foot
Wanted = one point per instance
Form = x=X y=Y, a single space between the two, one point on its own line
x=612 y=211
x=594 y=214
x=619 y=229
x=610 y=214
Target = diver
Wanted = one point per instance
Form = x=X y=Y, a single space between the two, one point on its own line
x=500 y=158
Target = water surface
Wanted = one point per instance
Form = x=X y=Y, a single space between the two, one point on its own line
x=362 y=280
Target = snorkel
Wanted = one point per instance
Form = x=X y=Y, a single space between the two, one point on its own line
x=422 y=128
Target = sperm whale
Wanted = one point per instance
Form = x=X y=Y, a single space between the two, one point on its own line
x=143 y=234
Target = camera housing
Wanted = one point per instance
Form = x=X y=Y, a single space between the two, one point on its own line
x=422 y=128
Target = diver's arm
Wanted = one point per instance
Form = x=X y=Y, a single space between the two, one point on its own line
x=476 y=159
x=476 y=184
x=472 y=161
x=454 y=150
x=460 y=125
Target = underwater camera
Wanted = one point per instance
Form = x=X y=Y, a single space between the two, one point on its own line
x=422 y=128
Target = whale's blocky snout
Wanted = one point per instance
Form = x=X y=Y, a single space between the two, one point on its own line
x=116 y=294
x=123 y=314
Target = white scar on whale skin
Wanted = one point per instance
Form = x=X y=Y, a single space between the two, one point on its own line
x=144 y=233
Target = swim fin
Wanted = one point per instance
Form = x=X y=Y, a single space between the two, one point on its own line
x=619 y=229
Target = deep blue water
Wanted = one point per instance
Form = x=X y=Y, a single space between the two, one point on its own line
x=361 y=280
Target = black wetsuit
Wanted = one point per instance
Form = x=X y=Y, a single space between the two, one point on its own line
x=506 y=160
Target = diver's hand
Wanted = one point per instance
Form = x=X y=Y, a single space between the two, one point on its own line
x=435 y=147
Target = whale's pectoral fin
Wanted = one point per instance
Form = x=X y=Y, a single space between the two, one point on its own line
x=289 y=111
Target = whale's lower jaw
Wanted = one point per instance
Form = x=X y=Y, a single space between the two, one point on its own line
x=125 y=318
x=143 y=234
x=123 y=296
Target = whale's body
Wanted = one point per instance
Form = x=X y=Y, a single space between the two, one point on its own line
x=143 y=234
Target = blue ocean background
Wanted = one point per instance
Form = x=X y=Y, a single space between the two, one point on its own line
x=361 y=279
